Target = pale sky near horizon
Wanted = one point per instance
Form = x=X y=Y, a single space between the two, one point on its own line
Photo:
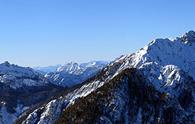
x=50 y=32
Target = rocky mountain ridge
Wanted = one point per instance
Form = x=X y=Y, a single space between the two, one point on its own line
x=73 y=73
x=153 y=85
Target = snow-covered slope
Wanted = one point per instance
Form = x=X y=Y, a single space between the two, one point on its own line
x=73 y=73
x=17 y=77
x=163 y=60
x=21 y=88
x=159 y=79
x=25 y=87
x=8 y=118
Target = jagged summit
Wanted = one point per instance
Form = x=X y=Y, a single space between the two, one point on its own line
x=69 y=67
x=189 y=37
x=159 y=56
x=6 y=63
x=74 y=73
x=77 y=68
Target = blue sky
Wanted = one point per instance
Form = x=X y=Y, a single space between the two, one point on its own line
x=49 y=32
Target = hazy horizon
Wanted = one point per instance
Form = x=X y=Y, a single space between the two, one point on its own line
x=45 y=32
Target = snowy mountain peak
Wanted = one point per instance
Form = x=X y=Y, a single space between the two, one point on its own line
x=189 y=37
x=69 y=67
x=164 y=62
x=73 y=73
x=76 y=68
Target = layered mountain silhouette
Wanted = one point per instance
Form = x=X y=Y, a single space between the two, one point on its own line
x=22 y=88
x=153 y=85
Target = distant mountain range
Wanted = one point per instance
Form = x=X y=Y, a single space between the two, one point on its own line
x=155 y=85
x=23 y=88
x=47 y=69
x=73 y=73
